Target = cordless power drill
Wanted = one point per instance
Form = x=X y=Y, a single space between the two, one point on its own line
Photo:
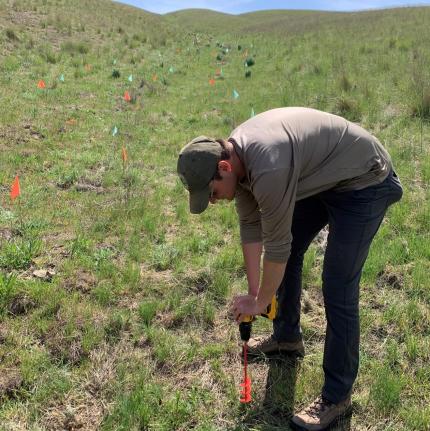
x=245 y=326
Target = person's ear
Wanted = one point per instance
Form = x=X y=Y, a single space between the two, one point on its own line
x=224 y=165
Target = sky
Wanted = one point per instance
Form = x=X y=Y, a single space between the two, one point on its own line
x=241 y=6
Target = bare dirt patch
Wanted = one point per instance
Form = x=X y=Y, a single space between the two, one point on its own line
x=168 y=320
x=157 y=277
x=142 y=343
x=3 y=334
x=56 y=245
x=13 y=135
x=66 y=349
x=25 y=18
x=65 y=344
x=33 y=133
x=21 y=304
x=83 y=185
x=19 y=136
x=89 y=185
x=390 y=277
x=213 y=114
x=198 y=282
x=7 y=234
x=81 y=281
x=10 y=382
x=98 y=169
x=44 y=274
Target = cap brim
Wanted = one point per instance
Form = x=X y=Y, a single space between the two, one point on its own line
x=199 y=201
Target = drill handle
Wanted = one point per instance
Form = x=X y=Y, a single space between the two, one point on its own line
x=271 y=309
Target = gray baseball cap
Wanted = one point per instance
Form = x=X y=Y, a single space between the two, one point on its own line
x=197 y=165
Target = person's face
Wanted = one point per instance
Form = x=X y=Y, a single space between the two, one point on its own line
x=225 y=188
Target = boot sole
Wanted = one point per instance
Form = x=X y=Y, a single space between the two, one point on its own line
x=335 y=422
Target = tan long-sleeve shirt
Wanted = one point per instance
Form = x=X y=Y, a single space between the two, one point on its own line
x=293 y=153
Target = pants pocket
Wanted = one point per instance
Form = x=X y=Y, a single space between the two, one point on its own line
x=396 y=189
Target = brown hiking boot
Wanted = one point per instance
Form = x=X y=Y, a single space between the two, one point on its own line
x=320 y=414
x=260 y=346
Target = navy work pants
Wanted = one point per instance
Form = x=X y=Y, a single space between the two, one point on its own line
x=353 y=218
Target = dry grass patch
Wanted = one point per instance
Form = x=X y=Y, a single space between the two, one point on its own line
x=76 y=330
x=78 y=411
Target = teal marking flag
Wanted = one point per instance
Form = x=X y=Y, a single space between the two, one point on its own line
x=235 y=94
x=171 y=70
x=114 y=131
x=130 y=78
x=62 y=78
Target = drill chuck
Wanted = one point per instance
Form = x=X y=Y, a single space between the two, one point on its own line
x=245 y=330
x=245 y=326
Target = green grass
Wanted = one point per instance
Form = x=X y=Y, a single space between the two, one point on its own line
x=132 y=331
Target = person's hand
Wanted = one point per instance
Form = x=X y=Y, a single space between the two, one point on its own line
x=245 y=305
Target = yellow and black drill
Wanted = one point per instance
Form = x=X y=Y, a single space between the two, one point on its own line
x=245 y=327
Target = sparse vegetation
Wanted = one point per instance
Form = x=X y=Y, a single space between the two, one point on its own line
x=7 y=288
x=10 y=34
x=76 y=47
x=112 y=296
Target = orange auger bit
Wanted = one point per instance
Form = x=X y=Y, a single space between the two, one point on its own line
x=245 y=391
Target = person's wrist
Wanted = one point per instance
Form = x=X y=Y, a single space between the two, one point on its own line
x=260 y=304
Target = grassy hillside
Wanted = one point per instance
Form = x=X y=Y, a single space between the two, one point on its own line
x=203 y=20
x=296 y=22
x=112 y=296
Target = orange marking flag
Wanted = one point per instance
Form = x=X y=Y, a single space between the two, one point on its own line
x=15 y=190
x=211 y=81
x=154 y=77
x=127 y=96
x=124 y=155
x=41 y=84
